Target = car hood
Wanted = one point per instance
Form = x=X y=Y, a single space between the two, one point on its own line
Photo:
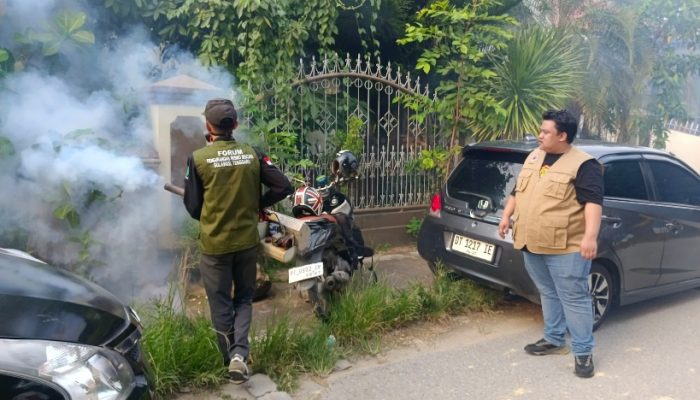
x=38 y=301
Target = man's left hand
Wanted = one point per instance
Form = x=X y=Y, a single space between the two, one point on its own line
x=589 y=248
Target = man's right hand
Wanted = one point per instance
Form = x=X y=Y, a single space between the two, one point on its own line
x=503 y=227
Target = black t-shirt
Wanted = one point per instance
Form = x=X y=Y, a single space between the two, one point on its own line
x=588 y=182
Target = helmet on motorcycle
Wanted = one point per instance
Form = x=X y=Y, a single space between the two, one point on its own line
x=307 y=201
x=345 y=164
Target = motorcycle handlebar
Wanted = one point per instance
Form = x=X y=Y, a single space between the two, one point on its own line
x=337 y=182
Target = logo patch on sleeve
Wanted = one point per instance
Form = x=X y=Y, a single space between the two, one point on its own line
x=267 y=160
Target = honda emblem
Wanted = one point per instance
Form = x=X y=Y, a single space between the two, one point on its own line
x=482 y=204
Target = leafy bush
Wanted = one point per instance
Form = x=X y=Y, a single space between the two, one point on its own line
x=413 y=226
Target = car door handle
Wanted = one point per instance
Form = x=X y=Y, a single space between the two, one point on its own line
x=614 y=221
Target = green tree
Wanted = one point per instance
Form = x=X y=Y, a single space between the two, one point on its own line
x=541 y=68
x=457 y=42
x=620 y=59
x=562 y=13
x=640 y=54
x=675 y=29
x=35 y=46
x=374 y=26
x=257 y=40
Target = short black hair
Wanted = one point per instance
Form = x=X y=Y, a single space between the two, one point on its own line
x=564 y=122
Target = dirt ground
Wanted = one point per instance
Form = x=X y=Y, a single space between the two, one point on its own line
x=399 y=266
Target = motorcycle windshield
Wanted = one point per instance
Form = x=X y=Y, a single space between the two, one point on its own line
x=319 y=233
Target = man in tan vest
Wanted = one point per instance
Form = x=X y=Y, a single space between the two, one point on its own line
x=556 y=208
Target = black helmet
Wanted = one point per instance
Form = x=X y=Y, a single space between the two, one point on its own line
x=345 y=164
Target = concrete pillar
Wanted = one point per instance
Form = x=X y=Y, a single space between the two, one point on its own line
x=176 y=106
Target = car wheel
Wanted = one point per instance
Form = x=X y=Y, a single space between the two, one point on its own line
x=602 y=289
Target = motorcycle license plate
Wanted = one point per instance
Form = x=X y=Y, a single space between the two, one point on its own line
x=304 y=272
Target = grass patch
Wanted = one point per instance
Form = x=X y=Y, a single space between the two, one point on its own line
x=183 y=350
x=359 y=313
x=183 y=353
x=366 y=310
x=285 y=350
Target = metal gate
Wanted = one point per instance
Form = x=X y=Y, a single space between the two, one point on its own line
x=327 y=95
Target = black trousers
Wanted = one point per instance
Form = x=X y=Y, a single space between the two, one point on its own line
x=231 y=316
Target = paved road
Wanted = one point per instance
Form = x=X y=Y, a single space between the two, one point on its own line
x=645 y=351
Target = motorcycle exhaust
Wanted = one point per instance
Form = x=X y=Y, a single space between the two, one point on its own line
x=336 y=280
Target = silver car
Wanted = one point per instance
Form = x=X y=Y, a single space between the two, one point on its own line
x=649 y=241
x=63 y=337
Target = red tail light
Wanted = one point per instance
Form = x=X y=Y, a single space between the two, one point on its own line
x=436 y=205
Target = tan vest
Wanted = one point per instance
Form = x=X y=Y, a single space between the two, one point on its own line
x=548 y=219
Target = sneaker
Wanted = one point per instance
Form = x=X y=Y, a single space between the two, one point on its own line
x=583 y=367
x=238 y=370
x=543 y=347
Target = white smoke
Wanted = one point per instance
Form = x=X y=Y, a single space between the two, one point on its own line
x=28 y=11
x=41 y=107
x=90 y=164
x=84 y=129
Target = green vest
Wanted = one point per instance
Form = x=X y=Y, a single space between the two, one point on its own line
x=230 y=173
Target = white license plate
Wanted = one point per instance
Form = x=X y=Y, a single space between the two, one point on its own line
x=473 y=247
x=307 y=271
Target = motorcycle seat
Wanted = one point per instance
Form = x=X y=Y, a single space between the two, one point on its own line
x=327 y=217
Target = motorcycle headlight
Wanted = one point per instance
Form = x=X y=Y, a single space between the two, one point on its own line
x=84 y=372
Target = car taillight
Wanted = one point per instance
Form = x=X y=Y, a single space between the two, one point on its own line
x=436 y=205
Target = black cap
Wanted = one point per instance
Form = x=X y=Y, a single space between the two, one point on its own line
x=221 y=113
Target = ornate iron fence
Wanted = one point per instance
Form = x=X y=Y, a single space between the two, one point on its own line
x=327 y=95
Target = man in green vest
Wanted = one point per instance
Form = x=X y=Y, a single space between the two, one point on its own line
x=223 y=191
x=556 y=208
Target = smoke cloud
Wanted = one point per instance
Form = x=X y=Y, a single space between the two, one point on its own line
x=80 y=131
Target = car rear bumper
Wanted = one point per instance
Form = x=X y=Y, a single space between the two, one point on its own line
x=505 y=272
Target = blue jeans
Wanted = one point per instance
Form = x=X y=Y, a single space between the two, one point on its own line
x=562 y=280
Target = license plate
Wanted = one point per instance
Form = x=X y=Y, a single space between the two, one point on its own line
x=307 y=271
x=473 y=247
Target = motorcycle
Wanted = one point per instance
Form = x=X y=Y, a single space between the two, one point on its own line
x=321 y=237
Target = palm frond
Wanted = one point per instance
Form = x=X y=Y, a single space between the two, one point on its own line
x=542 y=68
